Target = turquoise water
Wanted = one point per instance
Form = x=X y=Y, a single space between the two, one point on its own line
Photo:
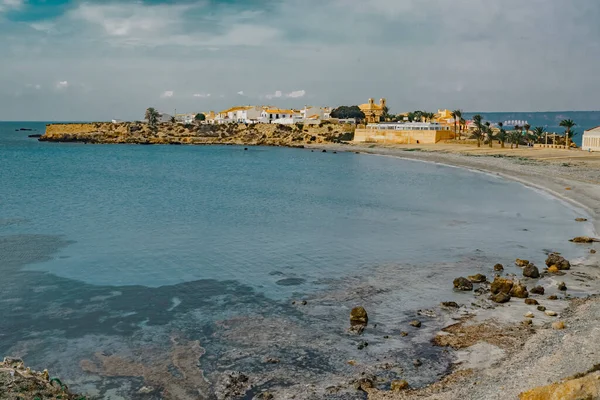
x=112 y=247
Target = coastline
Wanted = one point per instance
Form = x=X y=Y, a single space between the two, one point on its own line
x=487 y=366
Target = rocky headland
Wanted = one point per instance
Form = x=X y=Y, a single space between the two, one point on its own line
x=198 y=134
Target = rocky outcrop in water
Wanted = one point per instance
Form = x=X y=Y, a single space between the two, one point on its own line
x=531 y=271
x=584 y=239
x=462 y=284
x=557 y=261
x=501 y=285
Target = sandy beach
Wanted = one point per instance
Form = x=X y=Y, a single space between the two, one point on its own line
x=498 y=355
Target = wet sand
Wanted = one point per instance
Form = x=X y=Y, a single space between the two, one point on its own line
x=497 y=356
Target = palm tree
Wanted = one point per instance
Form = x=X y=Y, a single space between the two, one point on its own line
x=456 y=114
x=418 y=116
x=527 y=128
x=502 y=134
x=152 y=117
x=515 y=137
x=538 y=133
x=173 y=120
x=478 y=128
x=462 y=124
x=490 y=134
x=567 y=124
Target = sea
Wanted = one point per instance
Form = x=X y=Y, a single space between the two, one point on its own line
x=193 y=271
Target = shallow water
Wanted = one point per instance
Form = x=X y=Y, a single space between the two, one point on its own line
x=118 y=250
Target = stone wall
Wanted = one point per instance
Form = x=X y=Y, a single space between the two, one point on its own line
x=401 y=137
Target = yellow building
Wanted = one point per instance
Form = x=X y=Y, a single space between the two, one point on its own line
x=404 y=133
x=373 y=112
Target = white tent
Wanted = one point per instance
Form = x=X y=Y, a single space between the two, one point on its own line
x=591 y=140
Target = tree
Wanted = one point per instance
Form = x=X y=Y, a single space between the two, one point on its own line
x=418 y=116
x=386 y=114
x=200 y=117
x=344 y=112
x=152 y=117
x=538 y=133
x=463 y=124
x=515 y=137
x=490 y=133
x=502 y=136
x=477 y=120
x=456 y=114
x=568 y=124
x=527 y=128
x=172 y=120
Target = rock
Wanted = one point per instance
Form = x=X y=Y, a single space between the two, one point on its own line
x=584 y=239
x=417 y=362
x=558 y=325
x=531 y=302
x=500 y=297
x=399 y=385
x=553 y=269
x=537 y=290
x=550 y=313
x=478 y=278
x=264 y=396
x=358 y=316
x=272 y=360
x=498 y=267
x=531 y=271
x=352 y=362
x=357 y=329
x=519 y=291
x=553 y=297
x=146 y=390
x=558 y=261
x=304 y=302
x=541 y=308
x=521 y=263
x=501 y=285
x=362 y=345
x=416 y=323
x=586 y=387
x=450 y=304
x=364 y=383
x=581 y=219
x=231 y=385
x=562 y=286
x=592 y=251
x=463 y=284
x=404 y=334
x=529 y=315
x=527 y=322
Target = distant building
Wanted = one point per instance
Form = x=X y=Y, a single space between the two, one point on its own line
x=591 y=139
x=164 y=117
x=404 y=133
x=271 y=115
x=373 y=112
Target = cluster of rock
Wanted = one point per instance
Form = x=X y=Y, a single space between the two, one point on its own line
x=20 y=382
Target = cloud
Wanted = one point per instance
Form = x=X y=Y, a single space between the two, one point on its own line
x=275 y=95
x=241 y=93
x=167 y=94
x=202 y=95
x=32 y=86
x=295 y=94
x=10 y=5
x=61 y=85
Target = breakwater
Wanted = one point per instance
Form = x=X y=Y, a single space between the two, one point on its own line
x=173 y=133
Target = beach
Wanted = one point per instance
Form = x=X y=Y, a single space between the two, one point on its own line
x=498 y=357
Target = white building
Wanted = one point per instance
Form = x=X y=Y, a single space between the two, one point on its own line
x=270 y=115
x=591 y=139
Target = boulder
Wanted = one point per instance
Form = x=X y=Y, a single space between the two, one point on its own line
x=584 y=239
x=550 y=313
x=520 y=291
x=521 y=263
x=501 y=285
x=478 y=278
x=537 y=290
x=558 y=261
x=450 y=304
x=416 y=323
x=592 y=251
x=498 y=267
x=553 y=269
x=463 y=284
x=358 y=316
x=541 y=308
x=553 y=297
x=531 y=302
x=399 y=385
x=581 y=219
x=558 y=325
x=500 y=298
x=531 y=271
x=562 y=286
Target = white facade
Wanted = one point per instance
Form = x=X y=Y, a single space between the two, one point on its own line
x=591 y=140
x=247 y=115
x=270 y=115
x=294 y=119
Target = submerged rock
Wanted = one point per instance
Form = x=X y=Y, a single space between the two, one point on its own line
x=584 y=239
x=478 y=278
x=501 y=285
x=559 y=261
x=416 y=323
x=450 y=304
x=537 y=290
x=581 y=219
x=358 y=316
x=232 y=384
x=521 y=263
x=498 y=267
x=500 y=297
x=562 y=286
x=531 y=271
x=463 y=284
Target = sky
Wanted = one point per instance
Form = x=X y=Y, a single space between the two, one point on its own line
x=99 y=60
